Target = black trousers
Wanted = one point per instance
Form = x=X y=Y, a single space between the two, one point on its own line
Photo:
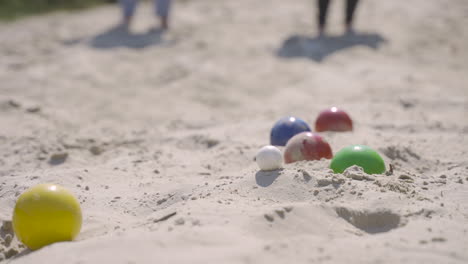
x=323 y=8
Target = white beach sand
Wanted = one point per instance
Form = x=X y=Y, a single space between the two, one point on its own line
x=168 y=125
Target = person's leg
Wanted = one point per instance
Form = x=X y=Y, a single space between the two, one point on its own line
x=128 y=9
x=322 y=15
x=162 y=10
x=350 y=8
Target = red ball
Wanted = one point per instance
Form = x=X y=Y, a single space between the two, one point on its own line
x=307 y=146
x=333 y=119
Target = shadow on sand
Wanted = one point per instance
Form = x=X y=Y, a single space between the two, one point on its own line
x=319 y=48
x=266 y=178
x=120 y=37
x=22 y=253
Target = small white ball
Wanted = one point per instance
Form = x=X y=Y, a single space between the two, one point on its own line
x=269 y=158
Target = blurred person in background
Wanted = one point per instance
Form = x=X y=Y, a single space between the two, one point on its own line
x=322 y=15
x=162 y=9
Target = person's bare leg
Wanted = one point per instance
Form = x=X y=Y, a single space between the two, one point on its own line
x=162 y=11
x=127 y=20
x=128 y=9
x=322 y=15
x=350 y=8
x=164 y=22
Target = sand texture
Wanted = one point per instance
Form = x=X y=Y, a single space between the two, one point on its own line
x=156 y=133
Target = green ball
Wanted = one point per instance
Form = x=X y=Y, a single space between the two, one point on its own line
x=360 y=155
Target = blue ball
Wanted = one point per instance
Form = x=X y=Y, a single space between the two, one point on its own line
x=285 y=129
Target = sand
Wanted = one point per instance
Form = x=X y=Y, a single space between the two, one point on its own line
x=156 y=133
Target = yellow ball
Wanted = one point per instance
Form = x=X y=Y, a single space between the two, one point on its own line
x=46 y=213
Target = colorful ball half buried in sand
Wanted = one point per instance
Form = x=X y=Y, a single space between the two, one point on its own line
x=269 y=158
x=286 y=128
x=307 y=146
x=44 y=214
x=363 y=156
x=333 y=119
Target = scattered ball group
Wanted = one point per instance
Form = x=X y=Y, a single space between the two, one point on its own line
x=303 y=144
